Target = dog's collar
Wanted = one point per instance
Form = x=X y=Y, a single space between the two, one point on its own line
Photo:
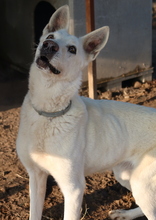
x=54 y=114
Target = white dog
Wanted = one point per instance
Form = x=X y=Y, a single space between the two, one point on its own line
x=69 y=136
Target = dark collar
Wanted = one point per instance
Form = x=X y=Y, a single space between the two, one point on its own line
x=54 y=114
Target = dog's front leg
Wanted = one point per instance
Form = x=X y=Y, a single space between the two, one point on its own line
x=37 y=188
x=72 y=187
x=73 y=202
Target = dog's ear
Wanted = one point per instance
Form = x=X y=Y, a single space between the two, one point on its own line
x=59 y=20
x=95 y=41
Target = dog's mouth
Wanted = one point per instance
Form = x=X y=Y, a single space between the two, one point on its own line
x=44 y=63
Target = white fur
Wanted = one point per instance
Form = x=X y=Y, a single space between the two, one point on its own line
x=94 y=135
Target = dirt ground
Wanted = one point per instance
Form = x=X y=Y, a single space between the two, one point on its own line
x=103 y=193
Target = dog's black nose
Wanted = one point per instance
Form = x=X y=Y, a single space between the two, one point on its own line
x=49 y=48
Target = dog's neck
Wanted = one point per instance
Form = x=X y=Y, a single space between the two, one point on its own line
x=51 y=96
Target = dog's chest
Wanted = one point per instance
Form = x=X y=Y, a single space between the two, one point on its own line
x=51 y=140
x=46 y=134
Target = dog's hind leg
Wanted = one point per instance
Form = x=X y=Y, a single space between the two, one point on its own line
x=122 y=174
x=125 y=214
x=143 y=184
x=37 y=188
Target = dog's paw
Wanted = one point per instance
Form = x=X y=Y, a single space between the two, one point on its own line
x=119 y=215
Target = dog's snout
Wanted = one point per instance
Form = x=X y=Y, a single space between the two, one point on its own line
x=50 y=46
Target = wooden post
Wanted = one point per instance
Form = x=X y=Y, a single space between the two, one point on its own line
x=90 y=26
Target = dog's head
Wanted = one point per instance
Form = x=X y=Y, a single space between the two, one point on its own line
x=59 y=53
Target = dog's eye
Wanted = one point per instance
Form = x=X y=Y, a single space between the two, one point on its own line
x=72 y=49
x=51 y=36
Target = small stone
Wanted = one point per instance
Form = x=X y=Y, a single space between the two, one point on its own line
x=107 y=95
x=137 y=85
x=146 y=85
x=126 y=98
